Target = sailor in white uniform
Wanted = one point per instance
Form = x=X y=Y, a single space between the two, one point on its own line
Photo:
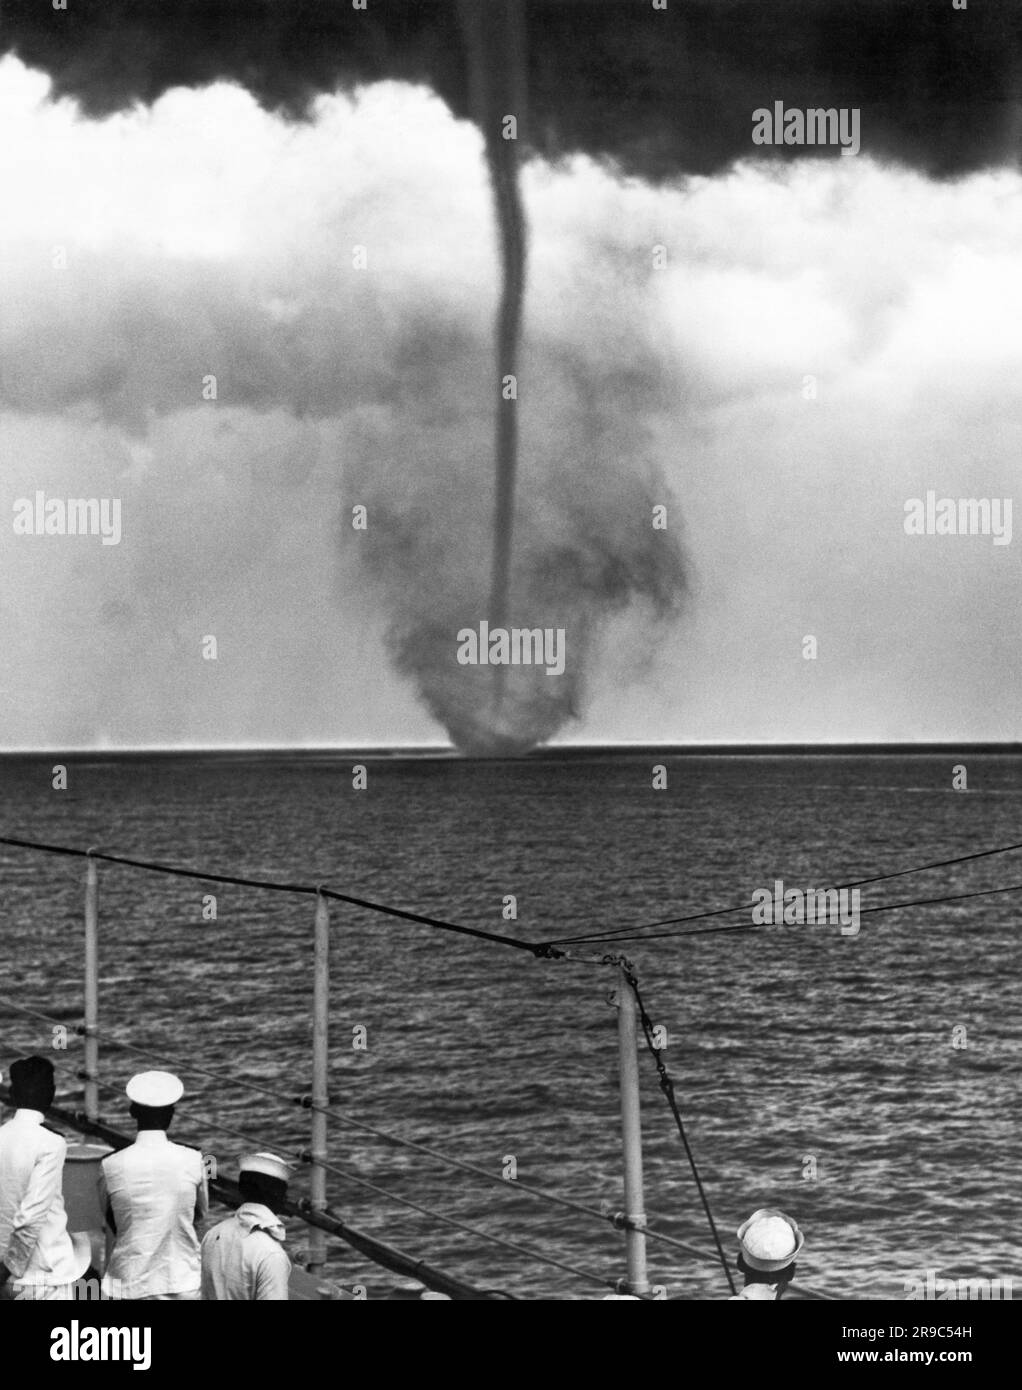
x=243 y=1259
x=154 y=1195
x=770 y=1243
x=38 y=1259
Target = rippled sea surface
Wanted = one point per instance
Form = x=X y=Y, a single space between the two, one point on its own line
x=786 y=1044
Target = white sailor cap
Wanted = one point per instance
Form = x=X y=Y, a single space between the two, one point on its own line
x=770 y=1240
x=155 y=1089
x=267 y=1163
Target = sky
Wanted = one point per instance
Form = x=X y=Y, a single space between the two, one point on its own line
x=146 y=249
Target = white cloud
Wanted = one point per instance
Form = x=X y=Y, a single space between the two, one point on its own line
x=205 y=235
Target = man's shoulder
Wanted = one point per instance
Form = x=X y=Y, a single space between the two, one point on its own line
x=218 y=1231
x=259 y=1240
x=189 y=1157
x=185 y=1148
x=50 y=1138
x=267 y=1251
x=32 y=1138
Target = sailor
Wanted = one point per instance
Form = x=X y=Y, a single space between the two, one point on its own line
x=243 y=1258
x=38 y=1259
x=154 y=1194
x=769 y=1244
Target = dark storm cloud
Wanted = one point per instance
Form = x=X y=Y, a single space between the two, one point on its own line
x=660 y=92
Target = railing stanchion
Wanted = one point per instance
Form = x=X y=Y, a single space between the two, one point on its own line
x=91 y=1067
x=320 y=1077
x=631 y=1133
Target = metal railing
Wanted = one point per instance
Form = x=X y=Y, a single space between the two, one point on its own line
x=315 y=1210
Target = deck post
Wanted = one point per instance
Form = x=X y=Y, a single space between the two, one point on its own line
x=631 y=1133
x=90 y=1071
x=320 y=1071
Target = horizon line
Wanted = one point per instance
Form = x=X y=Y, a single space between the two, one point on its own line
x=448 y=749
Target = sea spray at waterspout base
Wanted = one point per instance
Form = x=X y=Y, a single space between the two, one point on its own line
x=586 y=550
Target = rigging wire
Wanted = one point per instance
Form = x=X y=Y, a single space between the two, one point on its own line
x=304 y=889
x=744 y=907
x=883 y=907
x=528 y=1251
x=541 y=949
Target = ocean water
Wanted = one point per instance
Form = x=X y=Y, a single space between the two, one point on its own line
x=795 y=1050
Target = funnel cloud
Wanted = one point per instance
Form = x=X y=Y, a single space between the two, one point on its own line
x=496 y=48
